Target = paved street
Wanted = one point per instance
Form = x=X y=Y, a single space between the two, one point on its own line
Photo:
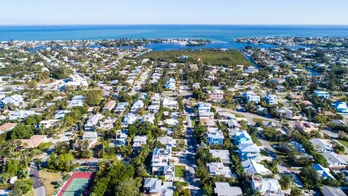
x=38 y=185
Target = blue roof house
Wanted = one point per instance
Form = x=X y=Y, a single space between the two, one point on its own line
x=215 y=136
x=323 y=94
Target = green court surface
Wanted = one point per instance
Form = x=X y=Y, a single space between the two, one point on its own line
x=76 y=187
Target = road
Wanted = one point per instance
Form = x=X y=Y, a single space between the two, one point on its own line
x=190 y=160
x=38 y=185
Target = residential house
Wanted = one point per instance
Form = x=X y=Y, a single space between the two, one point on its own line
x=341 y=107
x=271 y=99
x=216 y=95
x=323 y=172
x=121 y=138
x=306 y=127
x=148 y=118
x=138 y=104
x=196 y=86
x=284 y=112
x=223 y=155
x=334 y=160
x=130 y=119
x=7 y=127
x=219 y=169
x=248 y=151
x=266 y=186
x=321 y=145
x=138 y=141
x=170 y=104
x=323 y=94
x=60 y=114
x=16 y=100
x=251 y=70
x=107 y=123
x=121 y=107
x=205 y=116
x=215 y=136
x=167 y=141
x=155 y=187
x=251 y=167
x=21 y=114
x=34 y=141
x=171 y=84
x=91 y=137
x=92 y=122
x=233 y=124
x=332 y=191
x=160 y=160
x=47 y=124
x=251 y=97
x=76 y=101
x=224 y=189
x=242 y=137
x=277 y=80
x=110 y=105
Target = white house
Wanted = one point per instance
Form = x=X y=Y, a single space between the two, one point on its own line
x=160 y=160
x=91 y=137
x=284 y=112
x=169 y=103
x=139 y=140
x=219 y=169
x=251 y=167
x=321 y=145
x=138 y=104
x=334 y=160
x=130 y=119
x=92 y=122
x=21 y=114
x=266 y=186
x=16 y=100
x=223 y=155
x=121 y=107
x=171 y=84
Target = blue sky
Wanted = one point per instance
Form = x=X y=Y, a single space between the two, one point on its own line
x=174 y=12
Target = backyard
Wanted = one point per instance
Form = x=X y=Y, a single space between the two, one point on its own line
x=50 y=181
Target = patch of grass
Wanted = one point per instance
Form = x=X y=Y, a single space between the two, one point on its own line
x=49 y=180
x=259 y=120
x=179 y=183
x=180 y=171
x=258 y=143
x=345 y=143
x=30 y=193
x=264 y=152
x=208 y=56
x=238 y=115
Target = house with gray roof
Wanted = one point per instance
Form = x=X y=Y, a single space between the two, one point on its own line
x=224 y=189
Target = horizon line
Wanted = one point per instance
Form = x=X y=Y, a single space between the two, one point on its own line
x=174 y=24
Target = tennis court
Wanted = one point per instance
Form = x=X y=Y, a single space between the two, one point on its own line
x=78 y=184
x=76 y=187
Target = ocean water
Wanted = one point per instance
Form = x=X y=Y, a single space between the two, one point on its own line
x=222 y=33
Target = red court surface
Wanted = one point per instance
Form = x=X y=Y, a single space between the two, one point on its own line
x=75 y=175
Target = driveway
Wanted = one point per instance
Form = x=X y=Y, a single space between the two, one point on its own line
x=38 y=185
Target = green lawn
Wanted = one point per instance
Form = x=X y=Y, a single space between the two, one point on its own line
x=344 y=143
x=180 y=171
x=30 y=193
x=214 y=57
